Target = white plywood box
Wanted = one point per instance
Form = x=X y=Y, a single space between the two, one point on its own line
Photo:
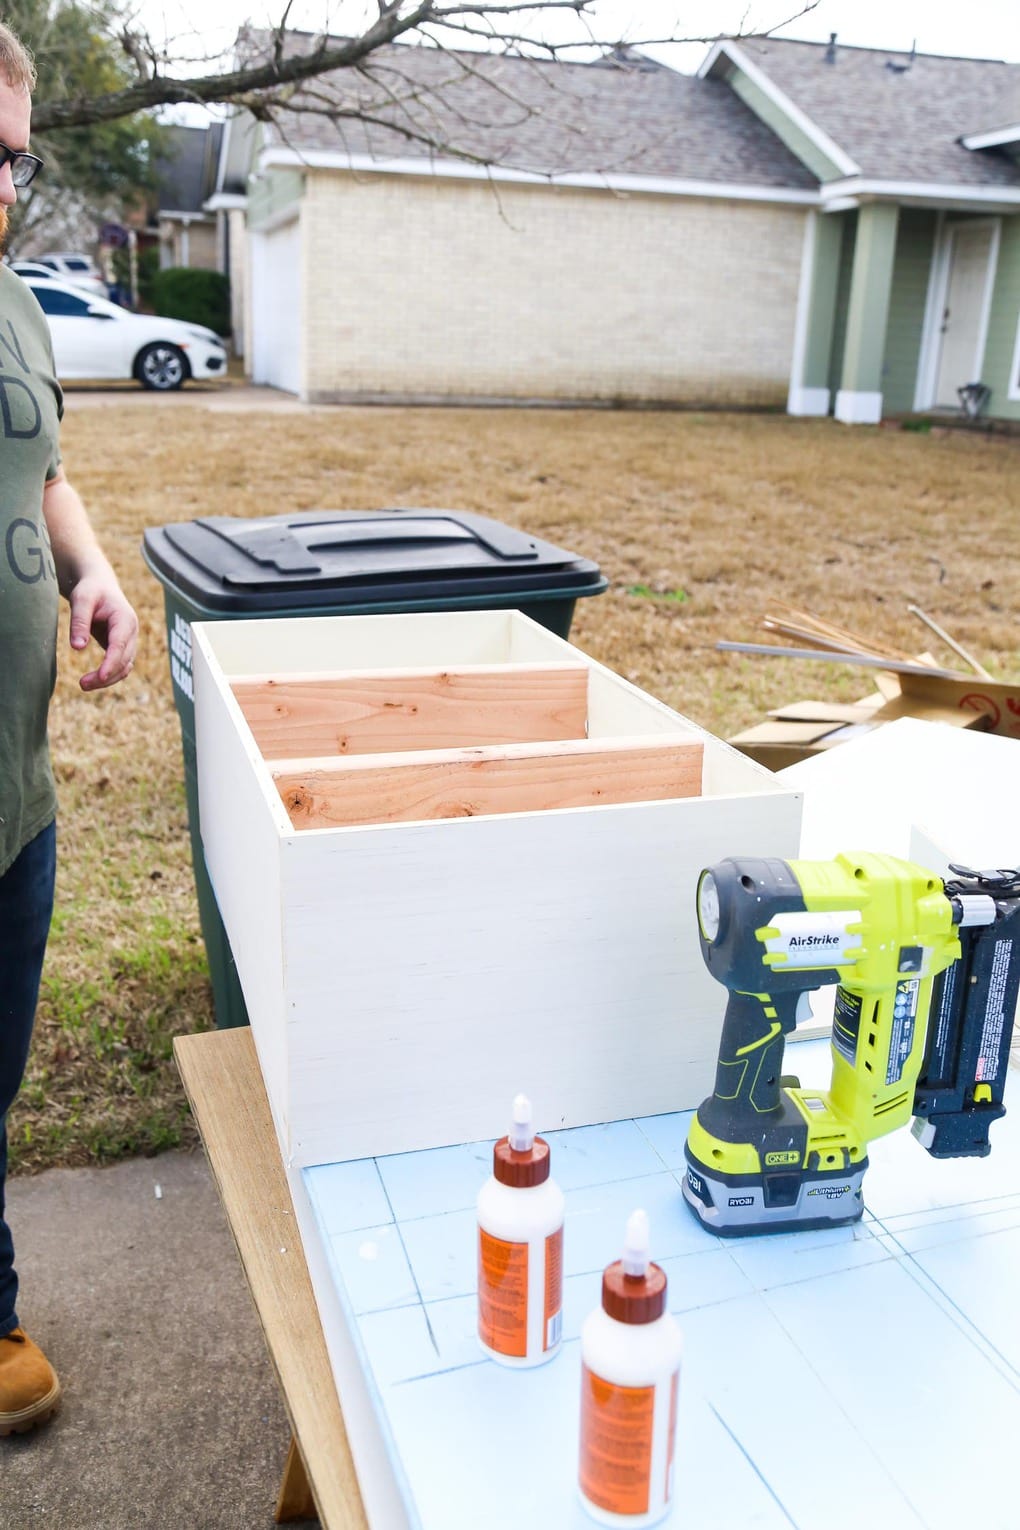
x=917 y=789
x=405 y=978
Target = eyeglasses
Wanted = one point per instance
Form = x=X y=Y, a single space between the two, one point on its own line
x=24 y=167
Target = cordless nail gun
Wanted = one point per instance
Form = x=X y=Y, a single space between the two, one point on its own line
x=928 y=976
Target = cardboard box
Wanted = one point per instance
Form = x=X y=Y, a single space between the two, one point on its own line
x=803 y=729
x=406 y=976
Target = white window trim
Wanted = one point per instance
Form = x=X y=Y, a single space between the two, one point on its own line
x=1013 y=391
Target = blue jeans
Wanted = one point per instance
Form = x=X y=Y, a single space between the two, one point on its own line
x=26 y=903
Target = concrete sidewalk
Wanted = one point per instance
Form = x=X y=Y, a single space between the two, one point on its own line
x=171 y=1416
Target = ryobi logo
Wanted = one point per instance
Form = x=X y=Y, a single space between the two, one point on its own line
x=741 y=1200
x=771 y=1159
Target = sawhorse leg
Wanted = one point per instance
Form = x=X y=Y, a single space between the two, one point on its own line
x=295 y=1500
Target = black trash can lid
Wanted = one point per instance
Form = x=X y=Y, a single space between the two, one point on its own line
x=336 y=558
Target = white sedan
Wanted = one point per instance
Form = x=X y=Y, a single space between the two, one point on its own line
x=96 y=339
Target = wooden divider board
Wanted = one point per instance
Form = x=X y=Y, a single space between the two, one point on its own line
x=351 y=712
x=464 y=783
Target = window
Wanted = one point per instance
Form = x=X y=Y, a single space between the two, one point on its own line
x=76 y=265
x=53 y=301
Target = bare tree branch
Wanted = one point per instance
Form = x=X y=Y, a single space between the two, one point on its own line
x=266 y=80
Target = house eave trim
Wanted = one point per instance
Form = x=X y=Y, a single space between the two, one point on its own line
x=453 y=169
x=920 y=193
x=839 y=158
x=993 y=139
x=225 y=201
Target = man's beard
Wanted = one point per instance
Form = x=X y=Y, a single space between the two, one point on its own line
x=3 y=228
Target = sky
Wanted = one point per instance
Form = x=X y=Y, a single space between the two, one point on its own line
x=973 y=28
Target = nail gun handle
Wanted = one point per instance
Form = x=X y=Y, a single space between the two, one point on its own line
x=749 y=1072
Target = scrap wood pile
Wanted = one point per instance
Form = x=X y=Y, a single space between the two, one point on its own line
x=907 y=685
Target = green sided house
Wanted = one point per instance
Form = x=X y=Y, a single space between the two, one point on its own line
x=824 y=229
x=910 y=288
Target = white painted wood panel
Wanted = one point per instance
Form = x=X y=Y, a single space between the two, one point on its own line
x=422 y=973
x=317 y=644
x=956 y=786
x=555 y=953
x=241 y=830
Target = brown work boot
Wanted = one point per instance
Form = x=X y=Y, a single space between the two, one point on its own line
x=29 y=1389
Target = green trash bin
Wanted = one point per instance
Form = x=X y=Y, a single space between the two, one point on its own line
x=338 y=563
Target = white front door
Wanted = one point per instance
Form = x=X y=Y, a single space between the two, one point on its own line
x=964 y=318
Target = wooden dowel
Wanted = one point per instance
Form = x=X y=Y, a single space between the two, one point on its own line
x=940 y=632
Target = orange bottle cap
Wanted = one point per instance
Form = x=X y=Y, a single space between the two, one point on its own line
x=521 y=1169
x=634 y=1298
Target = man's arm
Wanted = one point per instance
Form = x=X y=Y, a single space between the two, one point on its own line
x=99 y=607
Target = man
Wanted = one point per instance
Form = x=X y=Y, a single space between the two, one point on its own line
x=47 y=547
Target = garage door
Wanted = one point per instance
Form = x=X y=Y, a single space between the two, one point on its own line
x=276 y=306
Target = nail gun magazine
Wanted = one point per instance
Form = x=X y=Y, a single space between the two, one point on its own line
x=928 y=974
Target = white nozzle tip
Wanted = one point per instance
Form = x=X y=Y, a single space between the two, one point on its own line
x=522 y=1133
x=637 y=1245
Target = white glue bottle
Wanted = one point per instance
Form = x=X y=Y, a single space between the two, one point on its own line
x=630 y=1376
x=520 y=1249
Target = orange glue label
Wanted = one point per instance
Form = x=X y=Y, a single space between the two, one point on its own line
x=553 y=1289
x=616 y=1444
x=502 y=1295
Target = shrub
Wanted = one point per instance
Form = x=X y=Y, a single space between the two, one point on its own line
x=199 y=297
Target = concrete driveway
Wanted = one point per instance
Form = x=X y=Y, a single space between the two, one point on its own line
x=171 y=1418
x=229 y=397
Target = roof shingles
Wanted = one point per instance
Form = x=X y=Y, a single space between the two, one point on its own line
x=548 y=118
x=899 y=118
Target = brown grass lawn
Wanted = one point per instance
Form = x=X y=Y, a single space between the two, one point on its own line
x=696 y=519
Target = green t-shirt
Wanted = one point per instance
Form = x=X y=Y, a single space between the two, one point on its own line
x=31 y=405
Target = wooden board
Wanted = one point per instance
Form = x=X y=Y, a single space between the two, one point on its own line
x=468 y=783
x=224 y=1086
x=379 y=711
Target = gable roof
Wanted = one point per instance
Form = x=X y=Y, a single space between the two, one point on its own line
x=617 y=118
x=185 y=167
x=898 y=117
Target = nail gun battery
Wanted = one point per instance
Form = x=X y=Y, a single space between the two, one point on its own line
x=959 y=1091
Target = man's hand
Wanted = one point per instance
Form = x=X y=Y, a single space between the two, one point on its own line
x=99 y=607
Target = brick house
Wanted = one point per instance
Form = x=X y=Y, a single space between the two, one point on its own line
x=820 y=229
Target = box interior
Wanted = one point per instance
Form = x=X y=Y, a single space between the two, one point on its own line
x=347 y=747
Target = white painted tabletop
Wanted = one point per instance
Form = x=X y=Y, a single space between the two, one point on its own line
x=867 y=1376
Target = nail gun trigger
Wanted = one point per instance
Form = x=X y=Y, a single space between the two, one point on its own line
x=803 y=1011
